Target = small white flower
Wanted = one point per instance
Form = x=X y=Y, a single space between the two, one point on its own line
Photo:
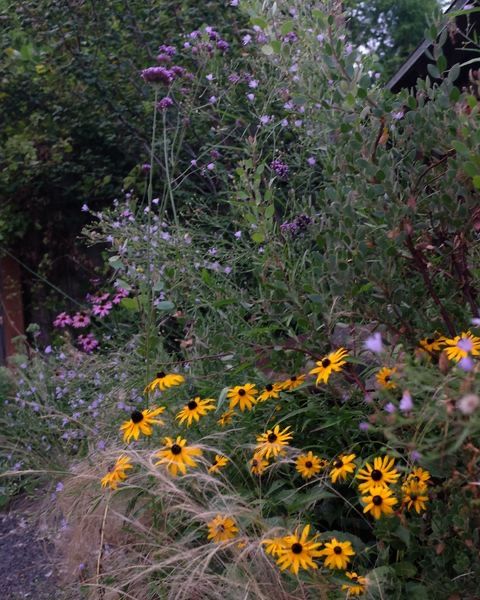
x=468 y=404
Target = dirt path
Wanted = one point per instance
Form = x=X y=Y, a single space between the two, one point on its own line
x=27 y=565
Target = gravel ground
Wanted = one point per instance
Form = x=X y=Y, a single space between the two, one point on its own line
x=27 y=565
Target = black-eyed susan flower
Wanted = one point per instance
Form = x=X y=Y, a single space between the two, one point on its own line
x=141 y=422
x=379 y=501
x=329 y=364
x=222 y=529
x=116 y=473
x=381 y=474
x=337 y=554
x=432 y=344
x=462 y=346
x=342 y=466
x=357 y=584
x=243 y=395
x=385 y=378
x=258 y=464
x=218 y=463
x=195 y=409
x=271 y=390
x=308 y=465
x=415 y=495
x=297 y=551
x=291 y=383
x=273 y=546
x=226 y=418
x=419 y=475
x=273 y=441
x=163 y=381
x=177 y=455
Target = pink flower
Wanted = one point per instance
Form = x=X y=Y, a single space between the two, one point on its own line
x=406 y=403
x=102 y=310
x=374 y=343
x=120 y=295
x=62 y=320
x=80 y=320
x=87 y=343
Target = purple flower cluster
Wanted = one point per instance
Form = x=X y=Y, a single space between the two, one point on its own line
x=165 y=103
x=280 y=168
x=296 y=227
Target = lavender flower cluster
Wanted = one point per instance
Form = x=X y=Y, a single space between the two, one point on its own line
x=297 y=227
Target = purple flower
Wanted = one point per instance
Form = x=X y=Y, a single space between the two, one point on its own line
x=102 y=310
x=465 y=344
x=80 y=320
x=266 y=119
x=212 y=99
x=364 y=426
x=85 y=208
x=296 y=227
x=234 y=78
x=121 y=293
x=465 y=363
x=48 y=350
x=169 y=50
x=374 y=343
x=62 y=320
x=251 y=97
x=290 y=38
x=311 y=161
x=390 y=408
x=238 y=234
x=223 y=46
x=59 y=487
x=87 y=343
x=246 y=39
x=211 y=166
x=163 y=58
x=146 y=167
x=280 y=168
x=157 y=75
x=209 y=77
x=165 y=103
x=253 y=83
x=406 y=403
x=415 y=455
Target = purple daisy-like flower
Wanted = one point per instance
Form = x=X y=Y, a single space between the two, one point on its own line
x=88 y=342
x=157 y=75
x=62 y=320
x=102 y=310
x=80 y=320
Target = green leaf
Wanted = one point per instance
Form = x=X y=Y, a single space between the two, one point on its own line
x=258 y=237
x=433 y=71
x=259 y=21
x=405 y=569
x=287 y=27
x=130 y=304
x=268 y=50
x=269 y=211
x=476 y=182
x=441 y=63
x=165 y=305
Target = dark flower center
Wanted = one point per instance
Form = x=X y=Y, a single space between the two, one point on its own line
x=387 y=378
x=376 y=475
x=326 y=362
x=355 y=579
x=192 y=405
x=413 y=497
x=272 y=437
x=337 y=550
x=111 y=467
x=430 y=341
x=293 y=378
x=297 y=548
x=176 y=449
x=269 y=387
x=254 y=462
x=220 y=528
x=416 y=478
x=241 y=392
x=377 y=500
x=309 y=464
x=136 y=416
x=338 y=464
x=160 y=375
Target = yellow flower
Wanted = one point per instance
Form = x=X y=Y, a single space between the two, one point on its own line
x=384 y=378
x=243 y=395
x=177 y=456
x=379 y=501
x=222 y=529
x=419 y=475
x=342 y=466
x=333 y=362
x=272 y=442
x=415 y=495
x=462 y=345
x=164 y=380
x=337 y=554
x=140 y=422
x=308 y=465
x=432 y=344
x=273 y=546
x=382 y=474
x=291 y=383
x=226 y=418
x=258 y=464
x=116 y=473
x=272 y=390
x=195 y=409
x=357 y=586
x=297 y=551
x=218 y=463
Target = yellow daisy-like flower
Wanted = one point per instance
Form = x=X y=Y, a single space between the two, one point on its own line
x=226 y=418
x=357 y=585
x=292 y=383
x=222 y=529
x=218 y=463
x=273 y=546
x=195 y=409
x=333 y=362
x=415 y=495
x=419 y=475
x=342 y=466
x=337 y=554
x=243 y=395
x=297 y=551
x=258 y=464
x=432 y=344
x=384 y=378
x=273 y=441
x=177 y=456
x=164 y=381
x=382 y=474
x=272 y=390
x=116 y=473
x=308 y=465
x=141 y=422
x=462 y=345
x=379 y=501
